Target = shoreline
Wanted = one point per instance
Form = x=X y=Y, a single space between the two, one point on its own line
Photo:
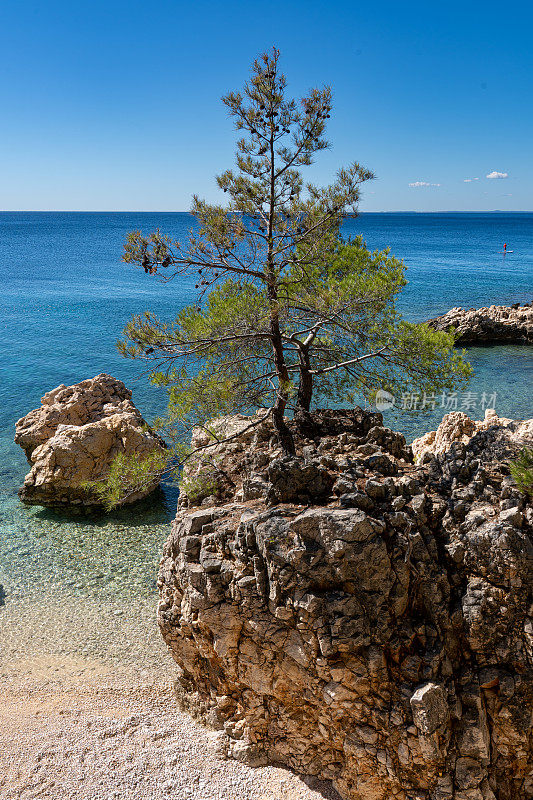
x=87 y=683
x=121 y=740
x=106 y=724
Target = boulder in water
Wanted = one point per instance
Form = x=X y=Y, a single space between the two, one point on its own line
x=74 y=437
x=489 y=325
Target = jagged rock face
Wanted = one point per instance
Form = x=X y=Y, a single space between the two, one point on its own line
x=251 y=466
x=74 y=437
x=377 y=635
x=492 y=325
x=507 y=435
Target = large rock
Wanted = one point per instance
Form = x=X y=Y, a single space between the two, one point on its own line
x=489 y=325
x=507 y=435
x=75 y=435
x=377 y=636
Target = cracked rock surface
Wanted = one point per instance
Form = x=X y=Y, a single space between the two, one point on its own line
x=74 y=436
x=356 y=617
x=502 y=439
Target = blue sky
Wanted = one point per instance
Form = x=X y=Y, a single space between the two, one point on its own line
x=116 y=105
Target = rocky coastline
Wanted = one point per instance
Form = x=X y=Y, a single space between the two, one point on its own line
x=359 y=613
x=489 y=325
x=351 y=614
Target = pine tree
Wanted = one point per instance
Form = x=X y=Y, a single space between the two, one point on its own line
x=286 y=309
x=255 y=238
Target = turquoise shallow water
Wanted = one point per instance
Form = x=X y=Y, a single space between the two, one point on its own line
x=65 y=299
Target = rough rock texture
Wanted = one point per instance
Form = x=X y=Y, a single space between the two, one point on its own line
x=75 y=435
x=492 y=325
x=508 y=435
x=378 y=635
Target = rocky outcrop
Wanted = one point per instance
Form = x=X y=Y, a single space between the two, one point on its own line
x=508 y=435
x=351 y=615
x=75 y=435
x=490 y=325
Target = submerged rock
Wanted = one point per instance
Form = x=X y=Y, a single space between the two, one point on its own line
x=489 y=325
x=75 y=435
x=369 y=627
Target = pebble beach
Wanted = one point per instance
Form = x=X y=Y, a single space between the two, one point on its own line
x=88 y=711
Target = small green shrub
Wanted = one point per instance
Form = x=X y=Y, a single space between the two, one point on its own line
x=127 y=475
x=522 y=471
x=198 y=487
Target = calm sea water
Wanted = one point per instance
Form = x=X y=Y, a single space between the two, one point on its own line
x=66 y=296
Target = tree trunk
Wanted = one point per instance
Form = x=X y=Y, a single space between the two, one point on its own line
x=302 y=415
x=278 y=411
x=305 y=389
x=285 y=436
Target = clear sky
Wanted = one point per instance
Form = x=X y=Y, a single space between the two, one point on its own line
x=116 y=105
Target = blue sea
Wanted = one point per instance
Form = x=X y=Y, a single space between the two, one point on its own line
x=66 y=297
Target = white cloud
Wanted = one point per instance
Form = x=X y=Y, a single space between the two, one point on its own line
x=469 y=180
x=495 y=174
x=419 y=184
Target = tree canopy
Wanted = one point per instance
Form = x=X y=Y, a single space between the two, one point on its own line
x=287 y=310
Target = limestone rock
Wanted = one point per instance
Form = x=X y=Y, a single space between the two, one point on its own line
x=507 y=435
x=75 y=435
x=294 y=479
x=430 y=708
x=252 y=465
x=383 y=644
x=492 y=325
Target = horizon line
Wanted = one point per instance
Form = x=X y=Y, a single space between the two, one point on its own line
x=357 y=214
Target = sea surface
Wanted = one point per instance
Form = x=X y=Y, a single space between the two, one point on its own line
x=65 y=299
